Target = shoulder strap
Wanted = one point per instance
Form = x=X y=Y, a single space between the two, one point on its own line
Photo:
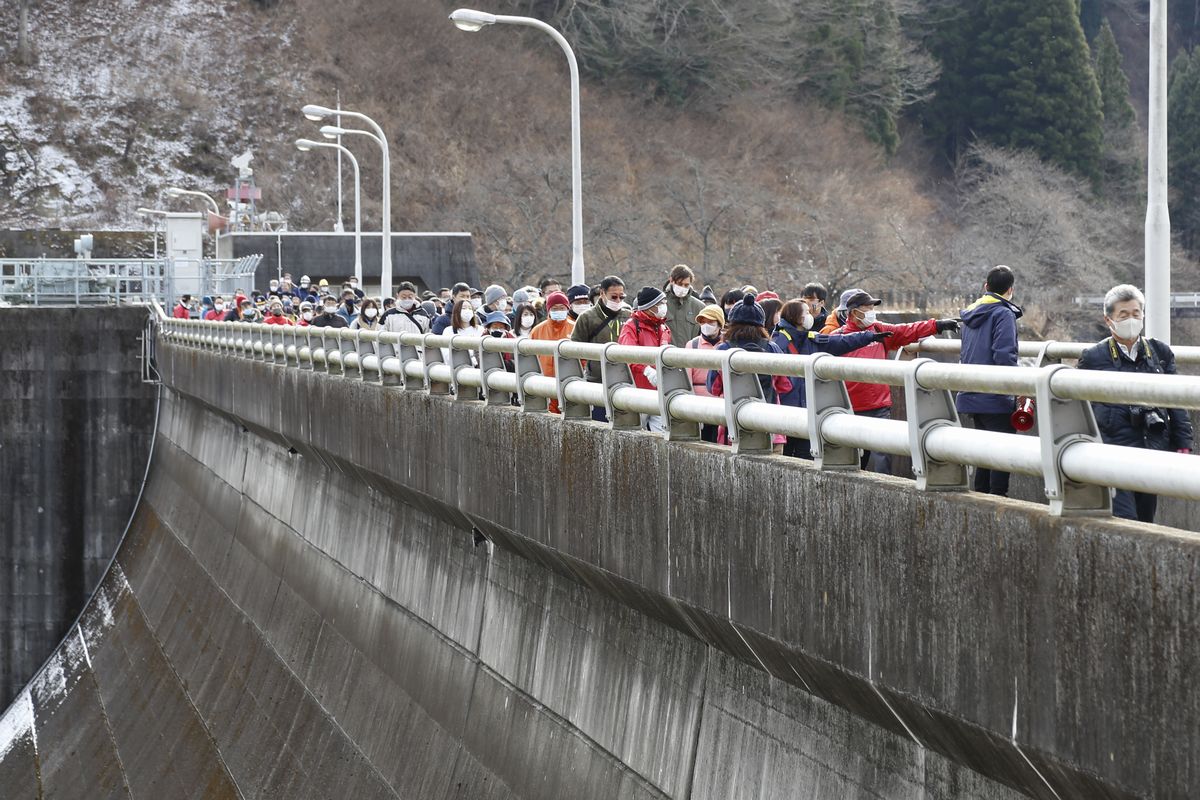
x=791 y=342
x=1152 y=354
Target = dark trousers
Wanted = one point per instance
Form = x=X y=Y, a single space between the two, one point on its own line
x=600 y=413
x=1135 y=505
x=708 y=433
x=795 y=447
x=882 y=461
x=992 y=481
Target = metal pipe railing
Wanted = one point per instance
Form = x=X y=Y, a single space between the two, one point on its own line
x=1066 y=453
x=1053 y=351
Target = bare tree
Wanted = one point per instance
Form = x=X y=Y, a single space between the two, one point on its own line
x=24 y=49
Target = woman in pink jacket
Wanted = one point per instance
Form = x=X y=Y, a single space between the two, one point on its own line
x=647 y=328
x=712 y=322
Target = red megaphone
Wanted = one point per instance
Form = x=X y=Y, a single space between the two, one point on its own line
x=1025 y=416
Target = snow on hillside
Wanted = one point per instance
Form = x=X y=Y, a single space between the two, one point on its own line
x=127 y=97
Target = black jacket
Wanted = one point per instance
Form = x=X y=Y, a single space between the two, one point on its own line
x=1138 y=426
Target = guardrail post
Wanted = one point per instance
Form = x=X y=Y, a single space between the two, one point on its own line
x=1062 y=423
x=347 y=347
x=275 y=338
x=460 y=360
x=567 y=370
x=260 y=333
x=826 y=398
x=926 y=410
x=432 y=356
x=311 y=363
x=741 y=388
x=673 y=381
x=291 y=347
x=491 y=363
x=364 y=348
x=527 y=364
x=385 y=348
x=409 y=354
x=616 y=375
x=333 y=366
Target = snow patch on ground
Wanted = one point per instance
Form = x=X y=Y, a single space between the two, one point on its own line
x=16 y=723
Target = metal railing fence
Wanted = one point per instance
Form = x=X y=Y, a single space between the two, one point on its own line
x=1067 y=454
x=1045 y=351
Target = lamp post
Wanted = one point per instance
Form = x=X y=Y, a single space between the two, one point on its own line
x=175 y=191
x=154 y=214
x=1158 y=218
x=466 y=19
x=306 y=145
x=316 y=114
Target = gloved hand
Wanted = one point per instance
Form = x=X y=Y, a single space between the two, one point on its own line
x=882 y=336
x=651 y=375
x=948 y=325
x=1184 y=450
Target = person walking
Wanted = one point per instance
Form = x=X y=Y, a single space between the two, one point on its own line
x=711 y=320
x=557 y=325
x=647 y=327
x=682 y=305
x=601 y=324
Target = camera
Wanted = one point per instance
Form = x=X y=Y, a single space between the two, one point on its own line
x=1147 y=419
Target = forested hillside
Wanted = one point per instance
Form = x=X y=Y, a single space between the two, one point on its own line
x=897 y=144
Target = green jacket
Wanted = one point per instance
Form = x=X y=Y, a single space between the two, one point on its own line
x=681 y=317
x=598 y=325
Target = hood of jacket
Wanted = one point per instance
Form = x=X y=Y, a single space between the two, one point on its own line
x=974 y=315
x=649 y=320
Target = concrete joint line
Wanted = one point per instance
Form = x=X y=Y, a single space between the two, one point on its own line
x=112 y=737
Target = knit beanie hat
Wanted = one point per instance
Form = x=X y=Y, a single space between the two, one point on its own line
x=493 y=293
x=520 y=296
x=747 y=312
x=707 y=295
x=648 y=297
x=557 y=299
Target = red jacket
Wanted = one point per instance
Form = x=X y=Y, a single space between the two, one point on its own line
x=644 y=330
x=870 y=396
x=180 y=311
x=280 y=320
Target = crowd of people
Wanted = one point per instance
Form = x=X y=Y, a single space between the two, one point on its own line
x=679 y=313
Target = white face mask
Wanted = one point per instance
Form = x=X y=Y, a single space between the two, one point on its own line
x=466 y=314
x=1127 y=328
x=869 y=317
x=661 y=311
x=613 y=305
x=558 y=314
x=308 y=315
x=370 y=313
x=807 y=321
x=218 y=306
x=274 y=286
x=527 y=320
x=407 y=303
x=304 y=284
x=353 y=284
x=710 y=329
x=502 y=305
x=680 y=291
x=331 y=310
x=580 y=308
x=476 y=302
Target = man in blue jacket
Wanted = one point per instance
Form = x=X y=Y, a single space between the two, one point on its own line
x=989 y=336
x=1152 y=428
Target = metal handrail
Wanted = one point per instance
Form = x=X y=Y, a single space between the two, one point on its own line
x=1054 y=351
x=1066 y=453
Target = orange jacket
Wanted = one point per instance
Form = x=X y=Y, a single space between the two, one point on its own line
x=549 y=329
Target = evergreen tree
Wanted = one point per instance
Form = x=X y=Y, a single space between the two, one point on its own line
x=1091 y=14
x=1183 y=122
x=1019 y=74
x=1112 y=80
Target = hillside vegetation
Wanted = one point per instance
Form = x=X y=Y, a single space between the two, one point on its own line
x=767 y=141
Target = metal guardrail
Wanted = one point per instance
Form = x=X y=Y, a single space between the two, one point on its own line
x=1045 y=351
x=1076 y=468
x=48 y=281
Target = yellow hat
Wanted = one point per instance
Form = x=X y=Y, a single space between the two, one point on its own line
x=713 y=313
x=323 y=282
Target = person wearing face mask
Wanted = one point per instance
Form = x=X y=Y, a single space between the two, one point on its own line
x=460 y=291
x=275 y=315
x=351 y=285
x=1147 y=427
x=524 y=318
x=368 y=316
x=305 y=286
x=217 y=312
x=815 y=294
x=875 y=399
x=795 y=334
x=467 y=322
x=182 y=309
x=273 y=288
x=329 y=316
x=711 y=320
x=601 y=324
x=989 y=337
x=682 y=305
x=244 y=312
x=647 y=327
x=578 y=296
x=837 y=318
x=408 y=316
x=496 y=324
x=306 y=315
x=557 y=325
x=495 y=298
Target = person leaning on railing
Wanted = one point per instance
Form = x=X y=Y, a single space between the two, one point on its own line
x=875 y=399
x=1152 y=428
x=602 y=324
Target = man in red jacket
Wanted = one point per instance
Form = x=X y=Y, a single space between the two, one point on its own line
x=875 y=399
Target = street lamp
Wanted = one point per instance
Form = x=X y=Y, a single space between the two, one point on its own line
x=154 y=214
x=1158 y=218
x=467 y=19
x=175 y=191
x=316 y=114
x=306 y=145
